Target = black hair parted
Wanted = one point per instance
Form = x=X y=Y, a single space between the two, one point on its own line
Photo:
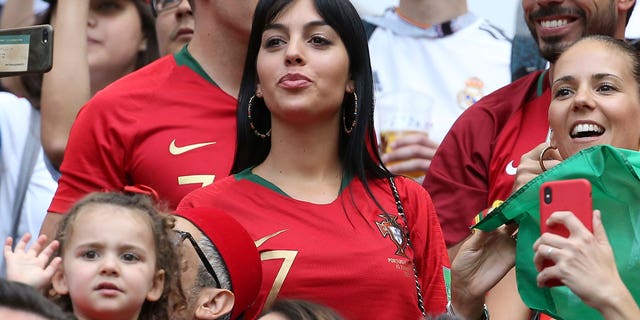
x=357 y=150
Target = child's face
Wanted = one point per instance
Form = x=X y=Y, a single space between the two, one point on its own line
x=109 y=263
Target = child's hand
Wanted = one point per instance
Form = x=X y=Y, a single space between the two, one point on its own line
x=30 y=267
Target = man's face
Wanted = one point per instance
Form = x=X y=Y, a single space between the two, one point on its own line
x=174 y=28
x=189 y=265
x=556 y=24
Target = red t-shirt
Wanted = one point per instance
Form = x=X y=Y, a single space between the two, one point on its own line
x=167 y=126
x=475 y=164
x=340 y=254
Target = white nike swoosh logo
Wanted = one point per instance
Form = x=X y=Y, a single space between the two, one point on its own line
x=175 y=150
x=264 y=239
x=511 y=170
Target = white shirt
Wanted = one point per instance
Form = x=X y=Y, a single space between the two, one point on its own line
x=14 y=127
x=454 y=69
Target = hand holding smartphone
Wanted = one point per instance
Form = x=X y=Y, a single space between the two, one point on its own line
x=564 y=195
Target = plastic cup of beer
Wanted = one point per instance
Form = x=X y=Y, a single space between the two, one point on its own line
x=402 y=113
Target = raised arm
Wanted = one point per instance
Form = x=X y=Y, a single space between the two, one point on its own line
x=67 y=86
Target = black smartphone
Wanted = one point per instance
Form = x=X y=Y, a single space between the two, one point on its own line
x=26 y=50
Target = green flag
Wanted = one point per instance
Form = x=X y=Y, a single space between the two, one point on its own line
x=614 y=176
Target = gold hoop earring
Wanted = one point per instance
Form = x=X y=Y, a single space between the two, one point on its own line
x=253 y=127
x=541 y=159
x=355 y=115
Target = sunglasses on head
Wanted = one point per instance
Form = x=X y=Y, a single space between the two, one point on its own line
x=203 y=258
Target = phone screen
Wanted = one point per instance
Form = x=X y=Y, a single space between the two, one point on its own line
x=14 y=52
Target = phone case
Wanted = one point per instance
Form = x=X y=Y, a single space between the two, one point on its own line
x=564 y=195
x=26 y=50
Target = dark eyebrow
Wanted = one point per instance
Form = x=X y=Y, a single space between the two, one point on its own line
x=279 y=26
x=600 y=76
x=597 y=76
x=563 y=79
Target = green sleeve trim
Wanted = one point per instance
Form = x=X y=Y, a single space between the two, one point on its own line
x=446 y=272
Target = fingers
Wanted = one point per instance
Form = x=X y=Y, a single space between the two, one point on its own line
x=8 y=244
x=51 y=269
x=36 y=247
x=548 y=158
x=553 y=155
x=598 y=228
x=48 y=251
x=550 y=154
x=547 y=247
x=417 y=138
x=23 y=242
x=530 y=161
x=534 y=154
x=547 y=274
x=408 y=146
x=499 y=239
x=552 y=247
x=548 y=164
x=417 y=166
x=570 y=221
x=411 y=154
x=550 y=239
x=544 y=253
x=406 y=152
x=528 y=167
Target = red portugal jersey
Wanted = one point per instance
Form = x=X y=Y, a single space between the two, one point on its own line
x=347 y=254
x=166 y=125
x=476 y=163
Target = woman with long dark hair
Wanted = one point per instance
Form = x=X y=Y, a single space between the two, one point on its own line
x=308 y=184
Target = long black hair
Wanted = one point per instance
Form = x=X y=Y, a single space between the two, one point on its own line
x=358 y=150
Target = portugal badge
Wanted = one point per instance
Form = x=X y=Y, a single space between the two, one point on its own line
x=389 y=226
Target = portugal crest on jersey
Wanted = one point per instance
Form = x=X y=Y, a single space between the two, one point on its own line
x=390 y=227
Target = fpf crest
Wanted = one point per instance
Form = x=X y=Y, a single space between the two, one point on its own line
x=389 y=226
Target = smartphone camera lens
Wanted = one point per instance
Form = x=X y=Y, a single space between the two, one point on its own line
x=547 y=195
x=45 y=36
